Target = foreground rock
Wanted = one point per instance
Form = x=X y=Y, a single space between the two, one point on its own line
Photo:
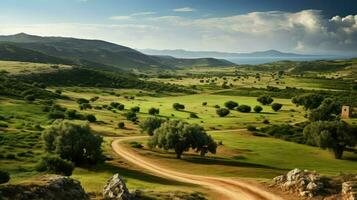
x=116 y=189
x=49 y=187
x=349 y=190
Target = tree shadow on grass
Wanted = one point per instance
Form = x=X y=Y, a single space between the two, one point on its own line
x=135 y=174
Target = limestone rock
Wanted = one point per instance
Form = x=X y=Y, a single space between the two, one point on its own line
x=49 y=187
x=349 y=190
x=116 y=189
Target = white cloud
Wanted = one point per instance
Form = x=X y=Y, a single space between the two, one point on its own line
x=184 y=9
x=122 y=17
x=143 y=13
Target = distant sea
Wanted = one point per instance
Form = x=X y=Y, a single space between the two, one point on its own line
x=262 y=60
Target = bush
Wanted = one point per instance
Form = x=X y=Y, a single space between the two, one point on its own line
x=74 y=142
x=58 y=91
x=91 y=118
x=265 y=99
x=82 y=100
x=3 y=125
x=193 y=115
x=230 y=104
x=55 y=164
x=4 y=177
x=131 y=116
x=251 y=128
x=266 y=121
x=121 y=125
x=204 y=103
x=258 y=109
x=178 y=106
x=276 y=106
x=135 y=109
x=56 y=115
x=136 y=145
x=150 y=124
x=85 y=106
x=244 y=108
x=118 y=106
x=154 y=111
x=222 y=112
x=30 y=98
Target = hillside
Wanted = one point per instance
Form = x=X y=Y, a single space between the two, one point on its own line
x=192 y=62
x=81 y=51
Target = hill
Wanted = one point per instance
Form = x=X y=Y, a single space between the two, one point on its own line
x=94 y=52
x=192 y=62
x=215 y=54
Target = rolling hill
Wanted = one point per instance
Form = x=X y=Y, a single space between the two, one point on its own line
x=94 y=52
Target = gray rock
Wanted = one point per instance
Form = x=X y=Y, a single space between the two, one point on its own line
x=116 y=189
x=349 y=190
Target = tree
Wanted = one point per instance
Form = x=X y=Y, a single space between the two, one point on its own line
x=222 y=112
x=154 y=111
x=74 y=142
x=82 y=100
x=276 y=106
x=334 y=135
x=131 y=116
x=55 y=164
x=258 y=109
x=265 y=100
x=230 y=104
x=193 y=115
x=30 y=98
x=178 y=106
x=135 y=109
x=117 y=105
x=182 y=137
x=309 y=101
x=4 y=177
x=329 y=110
x=150 y=124
x=121 y=125
x=91 y=118
x=204 y=103
x=244 y=108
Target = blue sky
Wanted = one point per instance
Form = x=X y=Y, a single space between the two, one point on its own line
x=305 y=26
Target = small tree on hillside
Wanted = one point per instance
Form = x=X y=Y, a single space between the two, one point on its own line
x=73 y=142
x=178 y=106
x=222 y=112
x=258 y=109
x=334 y=135
x=135 y=109
x=329 y=110
x=230 y=104
x=154 y=111
x=276 y=106
x=150 y=124
x=244 y=108
x=4 y=177
x=131 y=116
x=265 y=100
x=309 y=101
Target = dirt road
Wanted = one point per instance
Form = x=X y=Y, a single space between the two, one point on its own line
x=225 y=188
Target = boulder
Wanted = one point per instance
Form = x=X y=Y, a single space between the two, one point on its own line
x=49 y=187
x=116 y=189
x=349 y=190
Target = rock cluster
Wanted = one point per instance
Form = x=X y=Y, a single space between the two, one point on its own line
x=49 y=187
x=115 y=189
x=349 y=190
x=305 y=183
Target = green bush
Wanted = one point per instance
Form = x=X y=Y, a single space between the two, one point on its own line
x=30 y=98
x=258 y=109
x=130 y=115
x=136 y=145
x=150 y=124
x=121 y=125
x=276 y=106
x=265 y=99
x=178 y=106
x=204 y=103
x=193 y=115
x=222 y=112
x=154 y=111
x=135 y=109
x=55 y=164
x=4 y=177
x=244 y=108
x=91 y=118
x=251 y=128
x=230 y=104
x=4 y=125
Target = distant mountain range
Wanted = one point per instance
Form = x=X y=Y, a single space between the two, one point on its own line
x=180 y=53
x=94 y=53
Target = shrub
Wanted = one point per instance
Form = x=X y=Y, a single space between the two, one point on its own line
x=56 y=115
x=217 y=106
x=204 y=103
x=30 y=98
x=193 y=115
x=265 y=99
x=71 y=114
x=55 y=164
x=276 y=106
x=85 y=106
x=131 y=116
x=266 y=121
x=4 y=177
x=258 y=109
x=117 y=105
x=82 y=100
x=251 y=128
x=150 y=124
x=178 y=106
x=58 y=91
x=230 y=104
x=222 y=112
x=244 y=108
x=135 y=109
x=154 y=111
x=74 y=142
x=4 y=125
x=11 y=156
x=91 y=118
x=121 y=125
x=136 y=145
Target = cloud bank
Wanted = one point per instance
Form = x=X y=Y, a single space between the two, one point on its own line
x=306 y=31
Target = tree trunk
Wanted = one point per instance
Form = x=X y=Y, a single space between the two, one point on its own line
x=178 y=156
x=338 y=152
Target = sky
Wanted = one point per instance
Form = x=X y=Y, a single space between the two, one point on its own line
x=299 y=26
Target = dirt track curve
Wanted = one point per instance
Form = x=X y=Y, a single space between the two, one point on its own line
x=226 y=189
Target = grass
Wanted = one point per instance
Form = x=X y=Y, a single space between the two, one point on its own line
x=15 y=67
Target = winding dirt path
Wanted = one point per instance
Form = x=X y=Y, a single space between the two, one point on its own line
x=226 y=189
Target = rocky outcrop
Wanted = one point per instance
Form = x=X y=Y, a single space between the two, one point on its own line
x=116 y=189
x=349 y=190
x=49 y=187
x=305 y=183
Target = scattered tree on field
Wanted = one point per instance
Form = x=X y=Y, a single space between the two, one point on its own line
x=244 y=108
x=276 y=106
x=154 y=111
x=150 y=124
x=178 y=106
x=222 y=112
x=258 y=109
x=309 y=101
x=230 y=104
x=265 y=100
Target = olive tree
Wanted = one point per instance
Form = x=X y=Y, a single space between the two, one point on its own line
x=329 y=110
x=265 y=99
x=181 y=137
x=74 y=142
x=230 y=104
x=276 y=106
x=309 y=101
x=333 y=135
x=222 y=112
x=150 y=124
